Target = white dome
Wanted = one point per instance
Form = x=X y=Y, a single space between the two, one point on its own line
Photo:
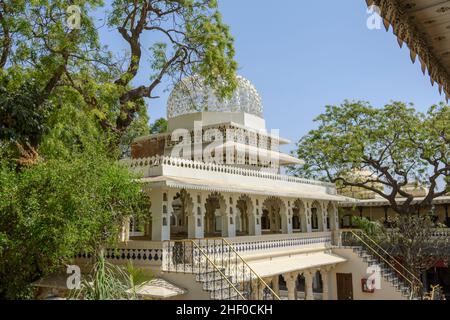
x=190 y=95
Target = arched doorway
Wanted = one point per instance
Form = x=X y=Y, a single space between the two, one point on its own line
x=316 y=217
x=244 y=215
x=274 y=215
x=215 y=210
x=299 y=219
x=332 y=218
x=182 y=205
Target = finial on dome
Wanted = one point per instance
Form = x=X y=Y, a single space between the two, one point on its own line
x=191 y=95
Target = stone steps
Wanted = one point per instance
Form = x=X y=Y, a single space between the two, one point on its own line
x=388 y=273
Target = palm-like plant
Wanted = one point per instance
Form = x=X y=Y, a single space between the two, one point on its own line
x=111 y=282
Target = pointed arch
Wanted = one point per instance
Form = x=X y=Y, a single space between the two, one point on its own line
x=244 y=215
x=275 y=216
x=299 y=218
x=181 y=208
x=215 y=209
x=316 y=216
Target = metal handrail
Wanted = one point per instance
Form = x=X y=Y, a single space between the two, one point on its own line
x=212 y=263
x=380 y=256
x=217 y=268
x=251 y=269
x=389 y=255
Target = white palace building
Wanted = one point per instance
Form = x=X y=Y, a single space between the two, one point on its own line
x=226 y=224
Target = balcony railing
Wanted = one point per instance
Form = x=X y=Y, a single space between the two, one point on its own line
x=157 y=161
x=441 y=232
x=281 y=242
x=150 y=253
x=141 y=253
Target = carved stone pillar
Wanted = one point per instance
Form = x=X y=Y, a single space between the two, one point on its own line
x=196 y=217
x=255 y=218
x=229 y=218
x=257 y=290
x=291 y=279
x=325 y=214
x=276 y=284
x=286 y=217
x=309 y=294
x=160 y=209
x=308 y=216
x=325 y=290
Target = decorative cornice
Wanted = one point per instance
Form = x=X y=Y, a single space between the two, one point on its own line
x=395 y=15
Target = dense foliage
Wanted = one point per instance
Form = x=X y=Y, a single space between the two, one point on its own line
x=393 y=147
x=55 y=209
x=69 y=109
x=53 y=61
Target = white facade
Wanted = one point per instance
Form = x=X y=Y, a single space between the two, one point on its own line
x=226 y=211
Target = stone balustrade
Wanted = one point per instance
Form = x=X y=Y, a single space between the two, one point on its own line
x=139 y=252
x=441 y=233
x=139 y=165
x=281 y=242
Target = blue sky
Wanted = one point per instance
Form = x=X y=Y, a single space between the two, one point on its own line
x=302 y=55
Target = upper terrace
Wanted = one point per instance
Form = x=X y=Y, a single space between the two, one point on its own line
x=180 y=173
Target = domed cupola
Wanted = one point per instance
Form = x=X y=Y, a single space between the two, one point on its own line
x=190 y=95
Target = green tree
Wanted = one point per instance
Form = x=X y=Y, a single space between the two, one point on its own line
x=159 y=126
x=396 y=145
x=191 y=38
x=38 y=51
x=412 y=238
x=55 y=209
x=64 y=96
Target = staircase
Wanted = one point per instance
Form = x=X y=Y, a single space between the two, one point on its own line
x=218 y=267
x=403 y=280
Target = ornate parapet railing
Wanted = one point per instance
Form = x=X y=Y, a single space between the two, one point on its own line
x=271 y=243
x=144 y=166
x=148 y=253
x=151 y=253
x=441 y=233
